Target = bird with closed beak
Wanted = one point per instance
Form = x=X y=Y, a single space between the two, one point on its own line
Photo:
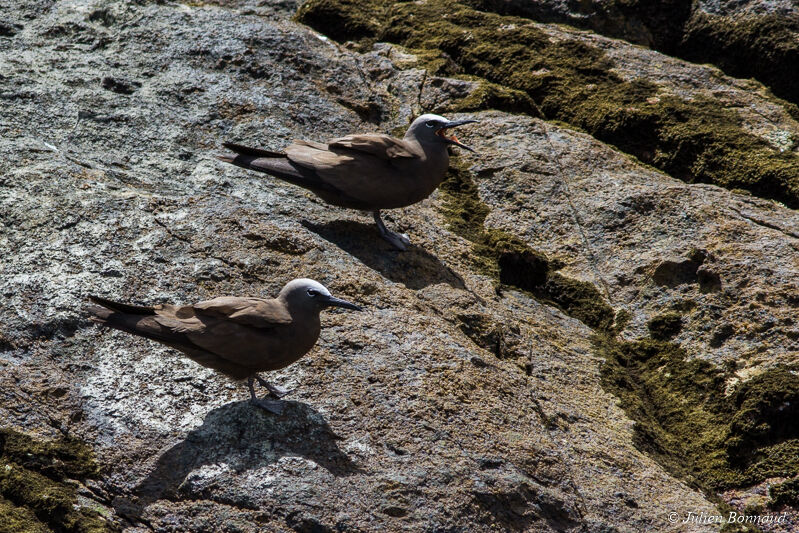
x=237 y=336
x=369 y=172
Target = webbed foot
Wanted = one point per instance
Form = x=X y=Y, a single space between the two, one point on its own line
x=276 y=391
x=272 y=406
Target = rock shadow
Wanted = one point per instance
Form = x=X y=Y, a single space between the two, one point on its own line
x=415 y=267
x=243 y=437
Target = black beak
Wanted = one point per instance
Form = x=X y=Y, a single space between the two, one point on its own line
x=456 y=123
x=332 y=301
x=453 y=139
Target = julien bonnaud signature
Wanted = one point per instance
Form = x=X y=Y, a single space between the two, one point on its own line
x=732 y=518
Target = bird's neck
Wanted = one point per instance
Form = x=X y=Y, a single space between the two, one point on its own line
x=430 y=150
x=437 y=157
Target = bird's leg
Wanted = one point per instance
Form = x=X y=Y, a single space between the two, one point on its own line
x=400 y=241
x=250 y=382
x=275 y=391
x=268 y=405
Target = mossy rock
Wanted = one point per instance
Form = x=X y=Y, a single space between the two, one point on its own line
x=14 y=519
x=513 y=262
x=764 y=47
x=36 y=488
x=64 y=458
x=695 y=140
x=493 y=96
x=685 y=420
x=766 y=409
x=344 y=20
x=750 y=46
x=665 y=326
x=786 y=493
x=683 y=417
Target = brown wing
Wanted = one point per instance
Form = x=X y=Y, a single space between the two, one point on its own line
x=246 y=332
x=382 y=146
x=254 y=312
x=215 y=338
x=364 y=167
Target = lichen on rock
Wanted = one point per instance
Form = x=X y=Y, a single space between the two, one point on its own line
x=695 y=140
x=509 y=260
x=37 y=491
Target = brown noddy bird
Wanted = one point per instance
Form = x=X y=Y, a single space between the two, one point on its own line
x=236 y=336
x=369 y=172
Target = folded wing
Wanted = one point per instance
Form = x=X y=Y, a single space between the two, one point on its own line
x=242 y=331
x=254 y=312
x=357 y=165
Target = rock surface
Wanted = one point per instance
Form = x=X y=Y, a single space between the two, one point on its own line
x=750 y=38
x=455 y=403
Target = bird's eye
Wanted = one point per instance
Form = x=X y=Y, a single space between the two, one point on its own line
x=312 y=293
x=430 y=123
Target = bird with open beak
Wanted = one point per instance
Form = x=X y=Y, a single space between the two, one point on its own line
x=369 y=172
x=236 y=336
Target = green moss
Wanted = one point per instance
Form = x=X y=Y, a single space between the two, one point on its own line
x=35 y=491
x=579 y=299
x=464 y=210
x=674 y=403
x=655 y=24
x=685 y=421
x=58 y=459
x=15 y=519
x=511 y=261
x=623 y=318
x=786 y=493
x=697 y=140
x=766 y=408
x=344 y=20
x=756 y=46
x=665 y=326
x=434 y=61
x=493 y=96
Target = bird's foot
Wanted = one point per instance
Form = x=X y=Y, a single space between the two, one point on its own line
x=272 y=406
x=400 y=241
x=275 y=391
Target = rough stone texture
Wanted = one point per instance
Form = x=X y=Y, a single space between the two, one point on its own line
x=749 y=39
x=758 y=114
x=649 y=241
x=652 y=25
x=400 y=420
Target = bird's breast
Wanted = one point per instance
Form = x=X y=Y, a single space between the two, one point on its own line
x=288 y=344
x=413 y=181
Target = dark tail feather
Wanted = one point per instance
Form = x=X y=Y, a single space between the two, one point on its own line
x=280 y=167
x=120 y=307
x=138 y=322
x=134 y=319
x=99 y=314
x=246 y=150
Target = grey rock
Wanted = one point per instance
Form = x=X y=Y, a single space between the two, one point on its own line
x=403 y=421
